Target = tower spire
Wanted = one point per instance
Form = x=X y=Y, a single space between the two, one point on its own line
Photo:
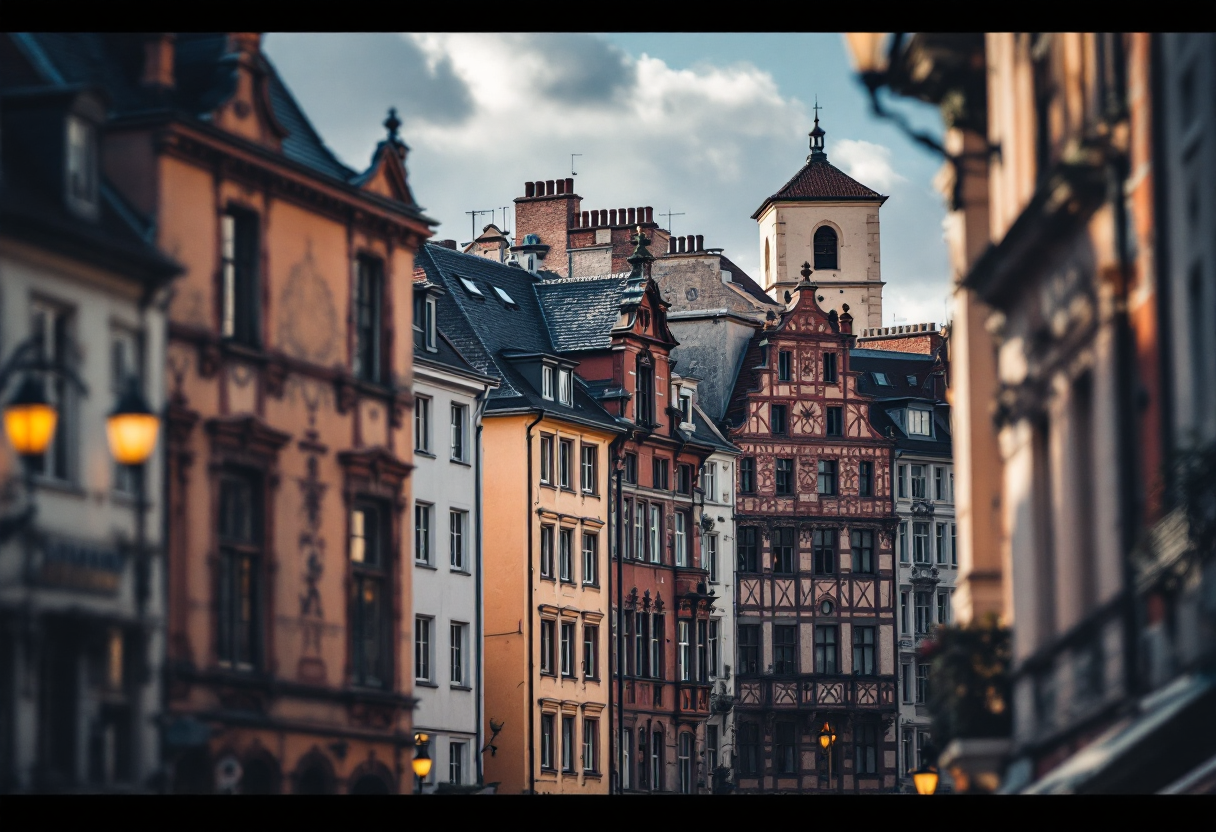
x=817 y=153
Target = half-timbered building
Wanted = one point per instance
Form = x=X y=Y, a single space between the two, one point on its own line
x=815 y=573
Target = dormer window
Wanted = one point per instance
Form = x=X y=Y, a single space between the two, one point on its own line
x=546 y=383
x=428 y=325
x=881 y=379
x=471 y=288
x=685 y=407
x=563 y=387
x=919 y=423
x=81 y=168
x=505 y=298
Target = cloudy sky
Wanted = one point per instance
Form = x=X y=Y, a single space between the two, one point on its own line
x=705 y=125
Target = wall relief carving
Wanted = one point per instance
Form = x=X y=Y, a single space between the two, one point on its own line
x=308 y=317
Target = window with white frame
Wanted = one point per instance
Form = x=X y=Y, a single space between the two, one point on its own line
x=685 y=762
x=940 y=483
x=903 y=541
x=240 y=290
x=941 y=541
x=565 y=463
x=547 y=627
x=920 y=542
x=428 y=326
x=922 y=684
x=681 y=539
x=903 y=612
x=81 y=163
x=919 y=422
x=51 y=329
x=565 y=543
x=458 y=525
x=422 y=533
x=591 y=652
x=422 y=648
x=591 y=736
x=919 y=491
x=459 y=432
x=715 y=647
x=456 y=634
x=709 y=481
x=567 y=743
x=546 y=552
x=456 y=752
x=546 y=741
x=546 y=382
x=567 y=648
x=590 y=458
x=684 y=654
x=422 y=424
x=591 y=576
x=943 y=606
x=546 y=459
x=924 y=612
x=656 y=534
x=953 y=546
x=711 y=556
x=565 y=393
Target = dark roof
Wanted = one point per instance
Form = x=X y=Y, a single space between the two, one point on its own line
x=898 y=366
x=820 y=180
x=581 y=311
x=746 y=378
x=706 y=434
x=741 y=278
x=489 y=333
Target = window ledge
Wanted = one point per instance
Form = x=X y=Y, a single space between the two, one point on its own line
x=590 y=586
x=424 y=565
x=568 y=489
x=456 y=461
x=464 y=572
x=548 y=485
x=455 y=686
x=426 y=683
x=69 y=489
x=427 y=454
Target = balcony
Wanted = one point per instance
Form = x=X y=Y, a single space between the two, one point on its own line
x=692 y=698
x=820 y=691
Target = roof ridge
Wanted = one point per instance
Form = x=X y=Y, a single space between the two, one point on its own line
x=586 y=278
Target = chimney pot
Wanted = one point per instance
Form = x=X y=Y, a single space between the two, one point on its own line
x=621 y=215
x=549 y=188
x=561 y=186
x=569 y=185
x=680 y=245
x=158 y=60
x=649 y=214
x=671 y=246
x=632 y=216
x=529 y=189
x=540 y=187
x=612 y=216
x=586 y=219
x=700 y=242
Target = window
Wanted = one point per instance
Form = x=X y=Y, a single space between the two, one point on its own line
x=953 y=546
x=785 y=361
x=546 y=552
x=422 y=649
x=565 y=393
x=643 y=644
x=643 y=400
x=684 y=479
x=565 y=543
x=942 y=542
x=918 y=422
x=712 y=754
x=631 y=468
x=681 y=538
x=626 y=749
x=591 y=572
x=749 y=748
x=656 y=761
x=369 y=300
x=685 y=407
x=239 y=291
x=825 y=649
x=829 y=368
x=457 y=527
x=659 y=474
x=546 y=382
x=422 y=424
x=903 y=480
x=567 y=648
x=785 y=650
x=639 y=531
x=903 y=542
x=715 y=649
x=685 y=762
x=783 y=551
x=863 y=550
x=656 y=534
x=911 y=381
x=835 y=421
x=939 y=483
x=825 y=551
x=710 y=542
x=370 y=604
x=50 y=328
x=918 y=482
x=747 y=475
x=459 y=412
x=881 y=379
x=748 y=549
x=422 y=533
x=922 y=684
x=905 y=676
x=657 y=635
x=565 y=462
x=863 y=651
x=456 y=648
x=749 y=648
x=428 y=324
x=827 y=477
x=684 y=653
x=785 y=476
x=903 y=612
x=546 y=459
x=631 y=667
x=825 y=248
x=239 y=596
x=547 y=628
x=590 y=461
x=546 y=741
x=591 y=642
x=82 y=164
x=709 y=481
x=920 y=542
x=923 y=613
x=626 y=526
x=471 y=288
x=591 y=734
x=780 y=422
x=943 y=606
x=922 y=739
x=865 y=479
x=456 y=762
x=568 y=744
x=866 y=747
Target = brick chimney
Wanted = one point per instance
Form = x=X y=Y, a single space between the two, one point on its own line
x=549 y=209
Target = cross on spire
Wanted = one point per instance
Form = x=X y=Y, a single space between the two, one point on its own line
x=817 y=153
x=816 y=108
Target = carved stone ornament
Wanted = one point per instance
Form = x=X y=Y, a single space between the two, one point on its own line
x=208 y=360
x=274 y=374
x=345 y=395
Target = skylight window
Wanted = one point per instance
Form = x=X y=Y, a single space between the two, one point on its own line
x=881 y=379
x=912 y=380
x=505 y=298
x=471 y=287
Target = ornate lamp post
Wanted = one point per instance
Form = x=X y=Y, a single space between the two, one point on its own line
x=131 y=430
x=827 y=741
x=422 y=761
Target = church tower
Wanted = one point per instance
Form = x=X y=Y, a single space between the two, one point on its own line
x=826 y=218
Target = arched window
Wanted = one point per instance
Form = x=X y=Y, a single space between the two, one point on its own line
x=825 y=248
x=767 y=270
x=643 y=398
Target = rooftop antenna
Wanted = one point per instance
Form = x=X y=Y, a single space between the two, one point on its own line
x=504 y=229
x=473 y=220
x=573 y=172
x=669 y=214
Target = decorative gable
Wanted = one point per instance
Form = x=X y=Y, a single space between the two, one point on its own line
x=386 y=176
x=248 y=112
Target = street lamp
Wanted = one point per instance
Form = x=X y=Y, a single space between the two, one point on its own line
x=131 y=429
x=422 y=759
x=29 y=419
x=925 y=778
x=827 y=740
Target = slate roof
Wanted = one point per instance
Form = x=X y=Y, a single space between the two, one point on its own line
x=820 y=180
x=898 y=366
x=744 y=281
x=746 y=379
x=706 y=433
x=581 y=311
x=489 y=333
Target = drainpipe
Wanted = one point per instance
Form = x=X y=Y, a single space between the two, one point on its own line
x=531 y=625
x=479 y=625
x=613 y=452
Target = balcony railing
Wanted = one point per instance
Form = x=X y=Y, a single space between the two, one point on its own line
x=823 y=691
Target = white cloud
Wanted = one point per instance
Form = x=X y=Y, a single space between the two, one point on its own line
x=867 y=162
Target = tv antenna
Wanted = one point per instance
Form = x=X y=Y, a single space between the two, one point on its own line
x=504 y=229
x=669 y=214
x=573 y=172
x=473 y=220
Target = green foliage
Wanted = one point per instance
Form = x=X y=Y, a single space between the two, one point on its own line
x=1193 y=477
x=969 y=683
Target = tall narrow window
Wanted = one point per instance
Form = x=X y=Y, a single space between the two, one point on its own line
x=591 y=735
x=459 y=419
x=422 y=424
x=902 y=480
x=239 y=272
x=749 y=648
x=457 y=532
x=591 y=573
x=825 y=551
x=943 y=606
x=590 y=454
x=546 y=382
x=591 y=651
x=785 y=364
x=565 y=393
x=567 y=647
x=702 y=673
x=546 y=741
x=428 y=324
x=712 y=754
x=684 y=654
x=422 y=649
x=920 y=542
x=835 y=421
x=784 y=738
x=422 y=533
x=866 y=745
x=918 y=482
x=565 y=463
x=863 y=651
x=565 y=545
x=50 y=328
x=784 y=553
x=685 y=762
x=680 y=540
x=239 y=596
x=683 y=479
x=369 y=300
x=715 y=647
x=747 y=475
x=939 y=483
x=710 y=543
x=547 y=630
x=827 y=477
x=370 y=603
x=546 y=552
x=643 y=399
x=784 y=476
x=643 y=631
x=829 y=368
x=903 y=542
x=749 y=748
x=942 y=541
x=825 y=248
x=656 y=761
x=631 y=468
x=658 y=632
x=627 y=753
x=953 y=546
x=456 y=650
x=81 y=165
x=709 y=481
x=922 y=684
x=780 y=422
x=659 y=474
x=865 y=479
x=456 y=762
x=785 y=649
x=924 y=612
x=903 y=613
x=748 y=537
x=546 y=459
x=825 y=649
x=656 y=533
x=863 y=551
x=905 y=677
